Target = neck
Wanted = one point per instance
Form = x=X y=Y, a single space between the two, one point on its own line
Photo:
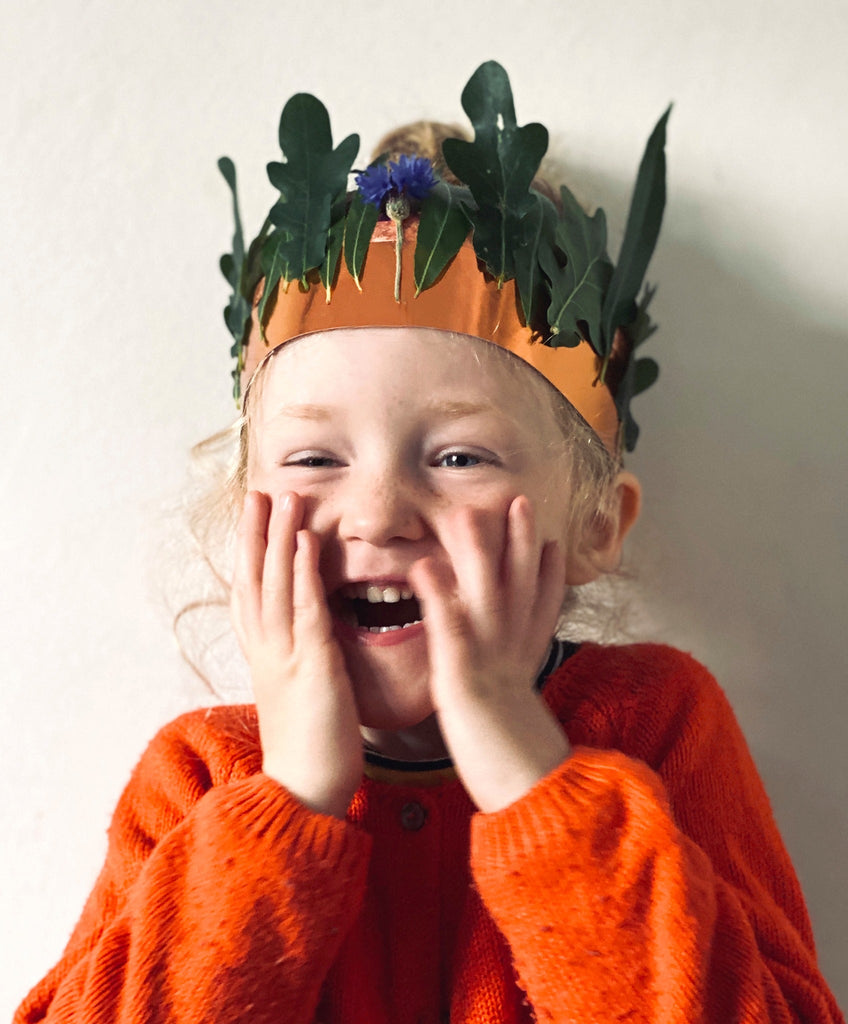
x=423 y=742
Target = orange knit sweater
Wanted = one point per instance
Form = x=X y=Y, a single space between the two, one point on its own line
x=642 y=881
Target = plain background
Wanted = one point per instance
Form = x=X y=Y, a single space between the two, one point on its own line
x=115 y=359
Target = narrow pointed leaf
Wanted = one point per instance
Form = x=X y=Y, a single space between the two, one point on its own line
x=361 y=220
x=442 y=228
x=275 y=268
x=640 y=235
x=334 y=244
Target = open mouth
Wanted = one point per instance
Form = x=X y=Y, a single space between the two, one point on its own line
x=377 y=608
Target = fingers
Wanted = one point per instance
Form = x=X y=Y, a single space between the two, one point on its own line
x=534 y=575
x=278 y=568
x=264 y=562
x=521 y=552
x=435 y=585
x=308 y=600
x=248 y=569
x=501 y=568
x=497 y=594
x=475 y=542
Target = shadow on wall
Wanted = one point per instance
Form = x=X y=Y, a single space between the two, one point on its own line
x=745 y=537
x=743 y=543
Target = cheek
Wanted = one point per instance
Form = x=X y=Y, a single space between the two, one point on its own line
x=551 y=501
x=257 y=472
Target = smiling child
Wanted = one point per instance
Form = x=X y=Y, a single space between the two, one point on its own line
x=437 y=810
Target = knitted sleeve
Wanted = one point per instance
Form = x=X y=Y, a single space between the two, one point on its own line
x=221 y=897
x=648 y=883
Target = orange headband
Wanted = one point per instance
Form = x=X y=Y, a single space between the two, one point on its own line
x=463 y=301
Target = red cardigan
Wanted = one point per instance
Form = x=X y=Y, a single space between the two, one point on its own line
x=643 y=881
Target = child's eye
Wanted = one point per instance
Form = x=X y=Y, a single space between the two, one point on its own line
x=459 y=460
x=311 y=460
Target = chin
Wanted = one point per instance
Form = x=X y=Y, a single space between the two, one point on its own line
x=389 y=695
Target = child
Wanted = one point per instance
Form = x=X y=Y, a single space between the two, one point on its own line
x=435 y=811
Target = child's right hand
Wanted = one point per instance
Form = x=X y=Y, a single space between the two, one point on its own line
x=308 y=722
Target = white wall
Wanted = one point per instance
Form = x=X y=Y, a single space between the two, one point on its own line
x=115 y=358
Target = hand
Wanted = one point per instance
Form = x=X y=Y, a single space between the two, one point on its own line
x=308 y=723
x=489 y=617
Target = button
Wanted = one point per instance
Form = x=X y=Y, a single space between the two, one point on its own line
x=413 y=816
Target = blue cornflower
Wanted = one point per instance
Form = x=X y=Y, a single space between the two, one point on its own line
x=413 y=176
x=374 y=184
x=408 y=176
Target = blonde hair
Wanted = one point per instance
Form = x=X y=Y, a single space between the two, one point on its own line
x=425 y=138
x=421 y=138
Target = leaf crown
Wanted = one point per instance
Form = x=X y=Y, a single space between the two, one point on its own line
x=569 y=290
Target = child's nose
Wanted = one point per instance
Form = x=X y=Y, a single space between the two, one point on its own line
x=382 y=510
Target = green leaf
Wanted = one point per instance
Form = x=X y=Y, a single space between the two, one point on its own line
x=335 y=239
x=498 y=167
x=640 y=235
x=639 y=375
x=539 y=226
x=275 y=268
x=237 y=316
x=578 y=289
x=309 y=181
x=235 y=269
x=228 y=170
x=442 y=228
x=361 y=220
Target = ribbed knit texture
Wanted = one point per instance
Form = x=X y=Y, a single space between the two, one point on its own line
x=642 y=881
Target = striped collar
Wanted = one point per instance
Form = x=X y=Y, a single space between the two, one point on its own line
x=387 y=769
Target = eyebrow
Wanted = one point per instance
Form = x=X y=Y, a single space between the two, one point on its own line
x=456 y=409
x=304 y=411
x=450 y=409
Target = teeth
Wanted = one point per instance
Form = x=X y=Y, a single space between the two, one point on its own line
x=391 y=629
x=375 y=594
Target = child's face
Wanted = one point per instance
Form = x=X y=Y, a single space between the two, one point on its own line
x=387 y=433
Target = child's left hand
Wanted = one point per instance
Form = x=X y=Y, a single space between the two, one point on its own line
x=490 y=616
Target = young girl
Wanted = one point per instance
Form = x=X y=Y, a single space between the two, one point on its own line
x=435 y=811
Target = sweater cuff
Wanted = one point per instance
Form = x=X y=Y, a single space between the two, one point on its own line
x=259 y=811
x=594 y=796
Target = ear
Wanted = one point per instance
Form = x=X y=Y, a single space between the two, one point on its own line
x=598 y=550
